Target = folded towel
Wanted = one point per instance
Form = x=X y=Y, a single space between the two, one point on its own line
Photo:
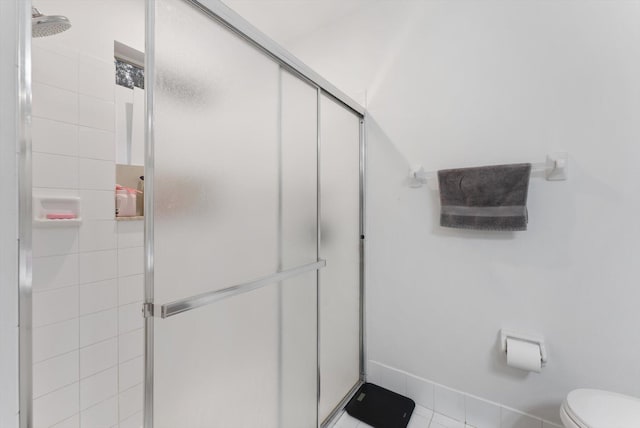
x=485 y=198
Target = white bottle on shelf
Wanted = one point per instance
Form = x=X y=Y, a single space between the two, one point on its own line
x=125 y=201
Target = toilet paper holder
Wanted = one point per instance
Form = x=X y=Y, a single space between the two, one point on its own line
x=531 y=338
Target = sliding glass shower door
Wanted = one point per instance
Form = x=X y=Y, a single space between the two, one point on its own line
x=236 y=301
x=235 y=231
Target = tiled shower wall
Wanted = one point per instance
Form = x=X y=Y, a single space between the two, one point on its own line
x=87 y=280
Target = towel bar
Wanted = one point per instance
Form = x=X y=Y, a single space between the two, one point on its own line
x=555 y=168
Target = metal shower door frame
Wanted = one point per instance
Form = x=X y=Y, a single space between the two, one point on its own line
x=24 y=200
x=222 y=14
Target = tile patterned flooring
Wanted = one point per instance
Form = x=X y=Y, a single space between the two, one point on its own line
x=421 y=418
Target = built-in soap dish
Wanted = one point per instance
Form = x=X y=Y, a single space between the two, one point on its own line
x=56 y=211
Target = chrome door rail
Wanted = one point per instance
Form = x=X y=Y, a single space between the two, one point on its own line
x=236 y=23
x=184 y=305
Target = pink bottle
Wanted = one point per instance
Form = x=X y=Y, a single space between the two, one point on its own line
x=125 y=201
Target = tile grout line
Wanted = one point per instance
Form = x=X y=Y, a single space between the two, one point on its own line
x=433 y=412
x=79 y=316
x=77 y=92
x=64 y=155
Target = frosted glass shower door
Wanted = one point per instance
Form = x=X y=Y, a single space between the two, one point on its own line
x=340 y=294
x=234 y=255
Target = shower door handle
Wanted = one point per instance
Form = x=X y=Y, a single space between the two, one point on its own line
x=187 y=304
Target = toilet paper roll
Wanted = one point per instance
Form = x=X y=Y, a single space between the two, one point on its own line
x=523 y=355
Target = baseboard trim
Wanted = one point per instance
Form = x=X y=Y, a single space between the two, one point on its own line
x=459 y=405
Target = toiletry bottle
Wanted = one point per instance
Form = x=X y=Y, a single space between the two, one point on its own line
x=125 y=201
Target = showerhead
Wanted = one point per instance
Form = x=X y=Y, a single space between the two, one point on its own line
x=43 y=25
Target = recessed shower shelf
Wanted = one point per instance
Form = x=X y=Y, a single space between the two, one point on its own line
x=56 y=211
x=130 y=218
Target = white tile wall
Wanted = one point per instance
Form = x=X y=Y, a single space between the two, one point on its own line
x=480 y=413
x=130 y=323
x=55 y=339
x=98 y=388
x=393 y=380
x=374 y=370
x=98 y=266
x=130 y=234
x=96 y=78
x=448 y=402
x=50 y=136
x=97 y=235
x=98 y=296
x=134 y=421
x=420 y=391
x=130 y=373
x=96 y=113
x=54 y=241
x=97 y=174
x=86 y=374
x=56 y=171
x=97 y=327
x=129 y=318
x=513 y=419
x=51 y=307
x=130 y=261
x=98 y=357
x=130 y=345
x=130 y=402
x=54 y=272
x=453 y=409
x=102 y=415
x=57 y=406
x=53 y=103
x=97 y=204
x=54 y=68
x=130 y=289
x=95 y=144
x=72 y=422
x=55 y=373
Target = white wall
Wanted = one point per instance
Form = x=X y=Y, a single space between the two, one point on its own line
x=462 y=83
x=8 y=215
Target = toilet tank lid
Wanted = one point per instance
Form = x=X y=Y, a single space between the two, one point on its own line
x=603 y=409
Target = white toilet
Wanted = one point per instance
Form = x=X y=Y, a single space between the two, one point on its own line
x=592 y=408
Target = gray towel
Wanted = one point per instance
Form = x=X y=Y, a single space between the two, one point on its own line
x=485 y=198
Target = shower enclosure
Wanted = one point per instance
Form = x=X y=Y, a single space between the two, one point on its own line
x=254 y=174
x=256 y=188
